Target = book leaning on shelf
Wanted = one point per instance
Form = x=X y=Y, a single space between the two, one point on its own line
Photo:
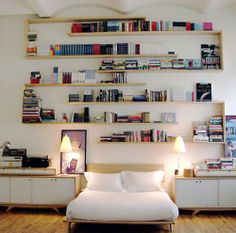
x=203 y=92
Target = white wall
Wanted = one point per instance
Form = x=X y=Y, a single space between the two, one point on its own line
x=45 y=139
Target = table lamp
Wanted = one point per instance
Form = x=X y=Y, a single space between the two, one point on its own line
x=66 y=146
x=179 y=148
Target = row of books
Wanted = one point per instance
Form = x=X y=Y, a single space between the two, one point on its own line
x=57 y=76
x=139 y=25
x=116 y=95
x=152 y=135
x=157 y=64
x=111 y=117
x=95 y=49
x=31 y=107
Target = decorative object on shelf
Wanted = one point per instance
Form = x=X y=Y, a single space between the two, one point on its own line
x=73 y=151
x=179 y=148
x=65 y=118
x=188 y=172
x=35 y=77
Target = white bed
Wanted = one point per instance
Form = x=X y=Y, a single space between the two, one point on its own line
x=122 y=206
x=108 y=203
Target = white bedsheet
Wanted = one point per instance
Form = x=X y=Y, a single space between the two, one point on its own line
x=122 y=206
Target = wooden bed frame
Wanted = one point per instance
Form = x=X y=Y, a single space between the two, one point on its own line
x=113 y=168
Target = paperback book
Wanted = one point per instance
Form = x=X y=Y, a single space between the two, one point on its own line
x=203 y=92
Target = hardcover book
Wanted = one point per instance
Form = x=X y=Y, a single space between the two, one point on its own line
x=203 y=92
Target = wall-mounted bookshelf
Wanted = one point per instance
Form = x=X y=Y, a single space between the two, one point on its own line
x=215 y=35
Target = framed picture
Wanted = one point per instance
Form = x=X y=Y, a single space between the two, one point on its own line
x=168 y=117
x=230 y=146
x=74 y=162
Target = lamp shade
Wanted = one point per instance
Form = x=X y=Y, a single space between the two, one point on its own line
x=179 y=146
x=66 y=145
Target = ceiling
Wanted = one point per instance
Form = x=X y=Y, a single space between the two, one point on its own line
x=49 y=8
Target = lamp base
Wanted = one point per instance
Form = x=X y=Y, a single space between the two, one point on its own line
x=176 y=172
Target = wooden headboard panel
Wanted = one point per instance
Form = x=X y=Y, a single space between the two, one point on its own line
x=114 y=168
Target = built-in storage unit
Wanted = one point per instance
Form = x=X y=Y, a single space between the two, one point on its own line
x=39 y=191
x=205 y=193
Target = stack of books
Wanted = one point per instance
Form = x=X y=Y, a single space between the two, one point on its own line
x=48 y=115
x=31 y=107
x=131 y=64
x=154 y=64
x=200 y=131
x=8 y=161
x=74 y=97
x=216 y=129
x=107 y=64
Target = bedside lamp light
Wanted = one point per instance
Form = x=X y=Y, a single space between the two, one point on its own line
x=6 y=147
x=66 y=146
x=179 y=148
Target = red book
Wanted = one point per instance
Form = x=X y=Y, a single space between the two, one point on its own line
x=96 y=48
x=154 y=25
x=188 y=26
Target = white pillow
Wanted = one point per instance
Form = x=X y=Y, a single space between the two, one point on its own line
x=143 y=181
x=104 y=182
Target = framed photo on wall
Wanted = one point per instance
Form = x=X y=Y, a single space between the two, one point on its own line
x=230 y=146
x=74 y=162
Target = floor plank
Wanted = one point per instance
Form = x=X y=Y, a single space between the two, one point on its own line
x=48 y=221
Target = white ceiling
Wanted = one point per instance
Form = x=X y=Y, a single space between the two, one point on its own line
x=49 y=8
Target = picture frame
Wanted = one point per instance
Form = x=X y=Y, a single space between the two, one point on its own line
x=230 y=146
x=74 y=162
x=168 y=117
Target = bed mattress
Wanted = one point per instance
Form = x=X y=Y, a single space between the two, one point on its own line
x=122 y=206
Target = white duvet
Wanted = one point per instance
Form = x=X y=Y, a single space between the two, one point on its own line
x=122 y=206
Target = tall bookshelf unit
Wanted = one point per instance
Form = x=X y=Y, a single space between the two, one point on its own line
x=187 y=35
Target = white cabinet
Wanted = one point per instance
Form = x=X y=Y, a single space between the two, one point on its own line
x=205 y=193
x=5 y=189
x=42 y=191
x=196 y=193
x=21 y=190
x=63 y=190
x=58 y=191
x=227 y=193
x=54 y=191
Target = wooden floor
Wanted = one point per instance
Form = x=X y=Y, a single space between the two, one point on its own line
x=48 y=221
